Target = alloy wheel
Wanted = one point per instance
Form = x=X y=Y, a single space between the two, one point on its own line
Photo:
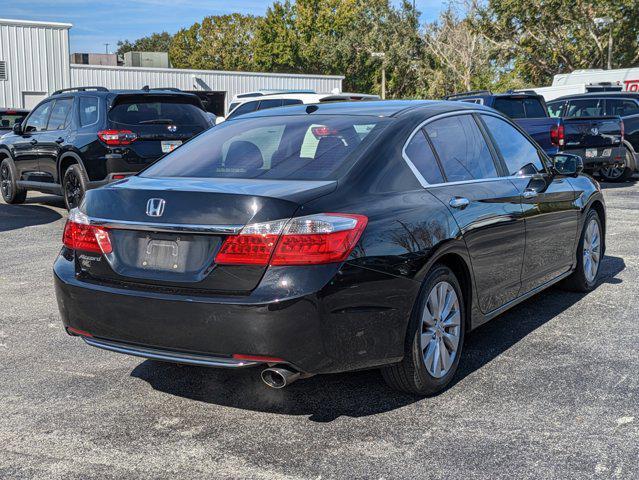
x=72 y=190
x=612 y=173
x=441 y=329
x=592 y=250
x=5 y=181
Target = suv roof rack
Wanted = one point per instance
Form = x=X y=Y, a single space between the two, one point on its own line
x=146 y=88
x=80 y=89
x=266 y=92
x=468 y=94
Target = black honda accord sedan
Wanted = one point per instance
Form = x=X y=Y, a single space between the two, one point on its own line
x=326 y=238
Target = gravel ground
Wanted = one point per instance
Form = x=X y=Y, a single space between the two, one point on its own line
x=548 y=390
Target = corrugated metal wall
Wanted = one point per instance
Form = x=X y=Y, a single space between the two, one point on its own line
x=37 y=57
x=230 y=82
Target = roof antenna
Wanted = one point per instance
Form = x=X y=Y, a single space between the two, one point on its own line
x=145 y=88
x=311 y=108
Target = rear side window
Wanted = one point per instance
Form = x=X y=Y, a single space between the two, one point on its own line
x=521 y=156
x=556 y=109
x=247 y=107
x=291 y=101
x=421 y=156
x=461 y=148
x=154 y=111
x=588 y=107
x=265 y=104
x=37 y=121
x=281 y=147
x=621 y=108
x=88 y=111
x=60 y=114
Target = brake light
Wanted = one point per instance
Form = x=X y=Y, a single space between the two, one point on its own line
x=79 y=235
x=310 y=240
x=558 y=135
x=117 y=137
x=323 y=131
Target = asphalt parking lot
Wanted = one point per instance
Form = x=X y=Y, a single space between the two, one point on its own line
x=548 y=390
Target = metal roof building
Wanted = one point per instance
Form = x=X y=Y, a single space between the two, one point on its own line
x=34 y=62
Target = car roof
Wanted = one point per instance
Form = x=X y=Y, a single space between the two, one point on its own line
x=122 y=92
x=375 y=108
x=597 y=95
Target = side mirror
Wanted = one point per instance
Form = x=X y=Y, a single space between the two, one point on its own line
x=17 y=128
x=219 y=120
x=567 y=164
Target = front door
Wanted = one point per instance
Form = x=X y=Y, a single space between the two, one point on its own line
x=548 y=202
x=52 y=140
x=26 y=148
x=486 y=206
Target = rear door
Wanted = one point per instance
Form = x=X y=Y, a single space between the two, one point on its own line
x=486 y=206
x=548 y=204
x=161 y=123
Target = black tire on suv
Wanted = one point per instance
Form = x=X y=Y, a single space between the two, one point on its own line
x=74 y=186
x=11 y=193
x=618 y=174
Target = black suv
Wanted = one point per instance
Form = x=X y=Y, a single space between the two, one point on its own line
x=83 y=138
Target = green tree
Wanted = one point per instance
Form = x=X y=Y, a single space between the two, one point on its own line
x=156 y=42
x=540 y=38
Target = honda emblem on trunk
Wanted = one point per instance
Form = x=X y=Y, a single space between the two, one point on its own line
x=594 y=131
x=155 y=207
x=172 y=128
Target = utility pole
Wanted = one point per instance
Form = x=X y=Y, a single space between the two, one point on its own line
x=382 y=56
x=106 y=47
x=603 y=22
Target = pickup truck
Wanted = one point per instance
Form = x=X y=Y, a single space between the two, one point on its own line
x=598 y=140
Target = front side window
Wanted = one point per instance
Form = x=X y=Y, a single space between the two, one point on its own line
x=247 y=107
x=421 y=156
x=621 y=108
x=60 y=114
x=265 y=104
x=588 y=107
x=461 y=148
x=521 y=156
x=37 y=121
x=281 y=147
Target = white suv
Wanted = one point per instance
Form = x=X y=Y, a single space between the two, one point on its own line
x=263 y=99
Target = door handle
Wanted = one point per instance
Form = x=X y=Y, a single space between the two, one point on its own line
x=59 y=140
x=459 y=202
x=529 y=193
x=33 y=141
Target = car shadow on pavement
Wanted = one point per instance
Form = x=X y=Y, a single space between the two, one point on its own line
x=13 y=217
x=324 y=398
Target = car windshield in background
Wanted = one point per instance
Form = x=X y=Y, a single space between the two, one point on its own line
x=154 y=112
x=280 y=147
x=8 y=120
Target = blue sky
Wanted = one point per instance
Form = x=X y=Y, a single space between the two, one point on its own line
x=97 y=22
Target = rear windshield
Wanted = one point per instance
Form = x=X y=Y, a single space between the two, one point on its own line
x=7 y=120
x=528 y=107
x=280 y=147
x=152 y=111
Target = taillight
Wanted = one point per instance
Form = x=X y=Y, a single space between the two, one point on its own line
x=117 y=137
x=79 y=235
x=310 y=240
x=558 y=136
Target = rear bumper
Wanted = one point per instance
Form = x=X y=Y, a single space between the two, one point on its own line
x=313 y=329
x=594 y=163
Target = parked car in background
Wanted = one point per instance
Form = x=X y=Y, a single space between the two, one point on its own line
x=9 y=117
x=349 y=236
x=82 y=138
x=597 y=140
x=622 y=104
x=262 y=100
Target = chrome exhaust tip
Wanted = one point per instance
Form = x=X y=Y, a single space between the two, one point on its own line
x=279 y=377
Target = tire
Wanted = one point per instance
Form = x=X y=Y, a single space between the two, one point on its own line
x=618 y=174
x=417 y=373
x=74 y=186
x=11 y=193
x=584 y=278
